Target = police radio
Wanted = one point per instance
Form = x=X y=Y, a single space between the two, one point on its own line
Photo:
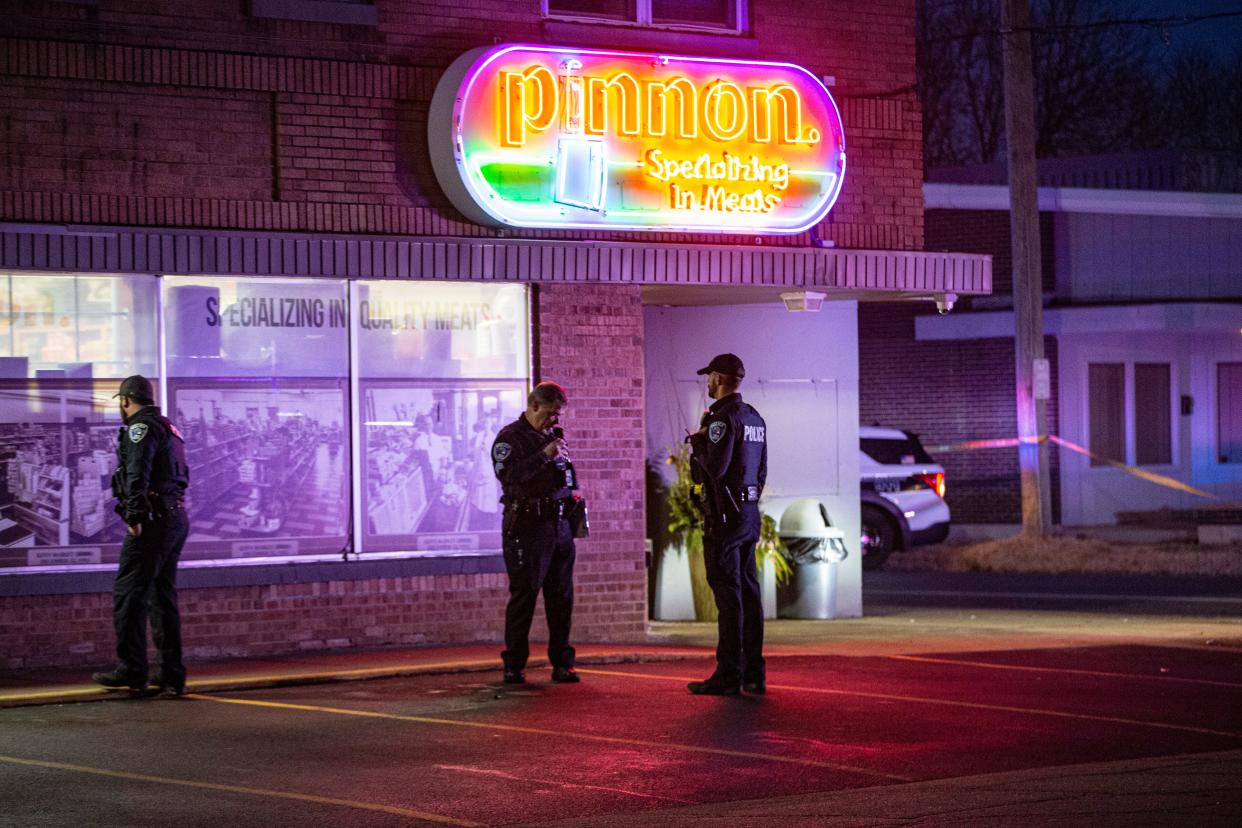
x=564 y=466
x=576 y=511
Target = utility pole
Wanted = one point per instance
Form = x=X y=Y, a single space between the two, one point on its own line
x=1032 y=367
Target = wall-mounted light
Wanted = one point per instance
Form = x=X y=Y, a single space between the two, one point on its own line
x=797 y=301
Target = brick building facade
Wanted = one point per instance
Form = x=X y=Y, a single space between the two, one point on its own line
x=895 y=367
x=1140 y=320
x=224 y=139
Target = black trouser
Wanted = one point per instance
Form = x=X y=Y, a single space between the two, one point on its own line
x=147 y=580
x=539 y=556
x=731 y=573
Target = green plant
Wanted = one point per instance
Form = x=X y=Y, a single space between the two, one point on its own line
x=686 y=520
x=685 y=517
x=772 y=549
x=685 y=525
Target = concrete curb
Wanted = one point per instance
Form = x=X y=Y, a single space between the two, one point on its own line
x=82 y=693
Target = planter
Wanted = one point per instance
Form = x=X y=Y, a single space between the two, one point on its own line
x=767 y=583
x=673 y=600
x=682 y=593
x=704 y=603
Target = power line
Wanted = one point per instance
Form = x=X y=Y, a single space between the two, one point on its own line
x=1143 y=22
x=1146 y=22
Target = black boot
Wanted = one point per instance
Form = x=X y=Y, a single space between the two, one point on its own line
x=120 y=678
x=157 y=686
x=565 y=675
x=715 y=686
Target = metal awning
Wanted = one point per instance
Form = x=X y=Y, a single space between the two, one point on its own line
x=760 y=271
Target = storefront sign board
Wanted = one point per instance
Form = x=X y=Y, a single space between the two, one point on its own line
x=556 y=137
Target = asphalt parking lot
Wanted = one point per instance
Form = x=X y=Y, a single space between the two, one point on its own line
x=916 y=716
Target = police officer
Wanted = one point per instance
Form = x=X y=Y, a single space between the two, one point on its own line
x=534 y=470
x=729 y=458
x=149 y=485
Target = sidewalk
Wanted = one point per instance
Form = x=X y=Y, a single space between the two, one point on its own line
x=62 y=686
x=909 y=631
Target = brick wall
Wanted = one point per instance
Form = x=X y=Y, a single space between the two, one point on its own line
x=162 y=113
x=591 y=341
x=950 y=393
x=957 y=392
x=987 y=231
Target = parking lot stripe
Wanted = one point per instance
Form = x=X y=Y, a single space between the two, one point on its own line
x=1056 y=596
x=1066 y=670
x=589 y=737
x=53 y=694
x=1035 y=711
x=211 y=786
x=559 y=783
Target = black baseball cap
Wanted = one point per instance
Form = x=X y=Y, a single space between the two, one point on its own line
x=137 y=388
x=725 y=364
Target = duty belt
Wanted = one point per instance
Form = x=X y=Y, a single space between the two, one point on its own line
x=747 y=494
x=163 y=504
x=543 y=507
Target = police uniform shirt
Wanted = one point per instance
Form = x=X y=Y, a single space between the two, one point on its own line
x=524 y=471
x=732 y=449
x=150 y=458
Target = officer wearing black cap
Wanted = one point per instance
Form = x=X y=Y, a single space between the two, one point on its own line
x=531 y=461
x=729 y=459
x=149 y=485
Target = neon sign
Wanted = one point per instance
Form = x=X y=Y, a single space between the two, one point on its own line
x=553 y=137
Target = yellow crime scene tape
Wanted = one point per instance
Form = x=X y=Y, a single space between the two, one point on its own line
x=1012 y=442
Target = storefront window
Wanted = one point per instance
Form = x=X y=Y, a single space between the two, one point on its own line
x=441 y=367
x=65 y=344
x=257 y=376
x=259 y=384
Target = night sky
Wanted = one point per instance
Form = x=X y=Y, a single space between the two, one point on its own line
x=1221 y=37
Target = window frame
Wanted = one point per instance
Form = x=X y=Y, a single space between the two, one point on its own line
x=93 y=556
x=1170 y=412
x=1129 y=409
x=1217 y=398
x=642 y=18
x=1097 y=459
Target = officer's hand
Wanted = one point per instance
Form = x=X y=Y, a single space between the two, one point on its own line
x=135 y=529
x=553 y=449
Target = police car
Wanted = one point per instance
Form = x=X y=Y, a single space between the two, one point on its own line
x=902 y=494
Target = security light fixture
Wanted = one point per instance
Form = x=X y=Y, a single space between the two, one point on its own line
x=802 y=300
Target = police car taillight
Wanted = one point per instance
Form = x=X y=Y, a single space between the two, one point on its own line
x=934 y=481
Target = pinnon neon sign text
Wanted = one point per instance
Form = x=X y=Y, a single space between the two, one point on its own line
x=539 y=136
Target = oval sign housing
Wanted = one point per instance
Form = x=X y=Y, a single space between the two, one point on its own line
x=556 y=137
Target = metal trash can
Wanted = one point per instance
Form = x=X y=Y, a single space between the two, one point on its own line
x=815 y=547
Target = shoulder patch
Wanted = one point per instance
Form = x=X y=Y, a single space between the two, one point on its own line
x=501 y=451
x=137 y=431
x=716 y=431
